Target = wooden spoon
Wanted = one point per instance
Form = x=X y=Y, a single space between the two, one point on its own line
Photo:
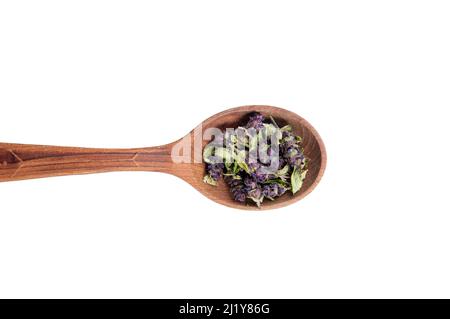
x=19 y=162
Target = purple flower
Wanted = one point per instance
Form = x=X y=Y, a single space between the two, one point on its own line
x=250 y=182
x=239 y=195
x=292 y=152
x=294 y=156
x=237 y=189
x=270 y=191
x=255 y=121
x=255 y=193
x=273 y=190
x=215 y=170
x=253 y=166
x=259 y=176
x=287 y=142
x=281 y=190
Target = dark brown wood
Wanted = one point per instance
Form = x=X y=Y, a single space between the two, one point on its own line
x=19 y=162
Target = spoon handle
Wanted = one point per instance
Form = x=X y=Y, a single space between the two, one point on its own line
x=19 y=161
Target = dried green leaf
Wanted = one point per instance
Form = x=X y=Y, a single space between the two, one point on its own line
x=269 y=130
x=207 y=153
x=244 y=166
x=274 y=122
x=241 y=137
x=239 y=158
x=282 y=171
x=304 y=164
x=236 y=168
x=224 y=154
x=278 y=181
x=253 y=143
x=297 y=179
x=258 y=201
x=209 y=180
x=303 y=176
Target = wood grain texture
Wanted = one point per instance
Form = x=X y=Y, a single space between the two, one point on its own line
x=19 y=162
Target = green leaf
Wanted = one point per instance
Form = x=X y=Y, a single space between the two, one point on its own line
x=244 y=166
x=297 y=179
x=209 y=180
x=304 y=164
x=274 y=122
x=224 y=154
x=253 y=143
x=239 y=155
x=239 y=158
x=286 y=128
x=282 y=171
x=289 y=138
x=258 y=201
x=236 y=168
x=304 y=174
x=278 y=181
x=241 y=137
x=207 y=153
x=268 y=130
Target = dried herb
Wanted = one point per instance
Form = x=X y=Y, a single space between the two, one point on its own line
x=259 y=161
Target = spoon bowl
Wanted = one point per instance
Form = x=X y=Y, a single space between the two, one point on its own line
x=313 y=145
x=19 y=161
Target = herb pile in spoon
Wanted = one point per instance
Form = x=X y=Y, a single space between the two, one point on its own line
x=259 y=161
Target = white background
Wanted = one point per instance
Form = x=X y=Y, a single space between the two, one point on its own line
x=373 y=77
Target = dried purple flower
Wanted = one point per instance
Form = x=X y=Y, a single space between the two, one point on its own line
x=273 y=190
x=269 y=191
x=256 y=195
x=255 y=121
x=215 y=170
x=250 y=182
x=281 y=189
x=294 y=156
x=239 y=196
x=281 y=163
x=259 y=176
x=254 y=166
x=237 y=189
